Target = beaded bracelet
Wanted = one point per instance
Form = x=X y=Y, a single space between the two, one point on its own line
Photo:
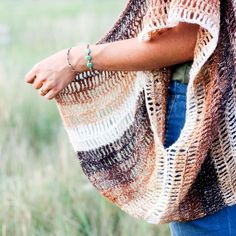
x=88 y=57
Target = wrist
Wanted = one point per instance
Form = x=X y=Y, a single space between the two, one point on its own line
x=77 y=58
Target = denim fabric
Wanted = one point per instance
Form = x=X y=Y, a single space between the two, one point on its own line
x=222 y=223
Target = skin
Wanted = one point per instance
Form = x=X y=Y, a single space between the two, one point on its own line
x=174 y=46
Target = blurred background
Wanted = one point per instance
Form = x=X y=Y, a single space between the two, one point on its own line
x=42 y=188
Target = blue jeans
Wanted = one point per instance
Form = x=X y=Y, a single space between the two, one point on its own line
x=223 y=222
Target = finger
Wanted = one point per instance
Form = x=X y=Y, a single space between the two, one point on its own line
x=45 y=89
x=38 y=83
x=43 y=92
x=31 y=75
x=51 y=94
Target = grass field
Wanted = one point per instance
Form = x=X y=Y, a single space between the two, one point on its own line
x=43 y=189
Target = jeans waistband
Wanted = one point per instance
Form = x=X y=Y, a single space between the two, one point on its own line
x=176 y=87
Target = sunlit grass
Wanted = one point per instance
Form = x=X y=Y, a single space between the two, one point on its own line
x=43 y=189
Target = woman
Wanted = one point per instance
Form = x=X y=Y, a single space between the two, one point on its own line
x=181 y=177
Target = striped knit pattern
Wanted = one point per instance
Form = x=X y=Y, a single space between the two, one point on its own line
x=116 y=119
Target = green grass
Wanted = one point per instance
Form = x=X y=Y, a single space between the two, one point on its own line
x=43 y=189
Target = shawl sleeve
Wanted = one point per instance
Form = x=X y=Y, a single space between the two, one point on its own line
x=168 y=13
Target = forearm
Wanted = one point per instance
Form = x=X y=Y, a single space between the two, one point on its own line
x=172 y=47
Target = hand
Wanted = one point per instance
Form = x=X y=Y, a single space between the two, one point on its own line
x=51 y=75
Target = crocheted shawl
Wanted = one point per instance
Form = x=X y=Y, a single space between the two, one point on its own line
x=116 y=119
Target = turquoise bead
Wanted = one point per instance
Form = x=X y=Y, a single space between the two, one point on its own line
x=89 y=65
x=87 y=50
x=88 y=57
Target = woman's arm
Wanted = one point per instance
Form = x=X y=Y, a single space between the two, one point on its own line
x=172 y=47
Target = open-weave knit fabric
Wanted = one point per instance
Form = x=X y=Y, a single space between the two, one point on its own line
x=116 y=119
